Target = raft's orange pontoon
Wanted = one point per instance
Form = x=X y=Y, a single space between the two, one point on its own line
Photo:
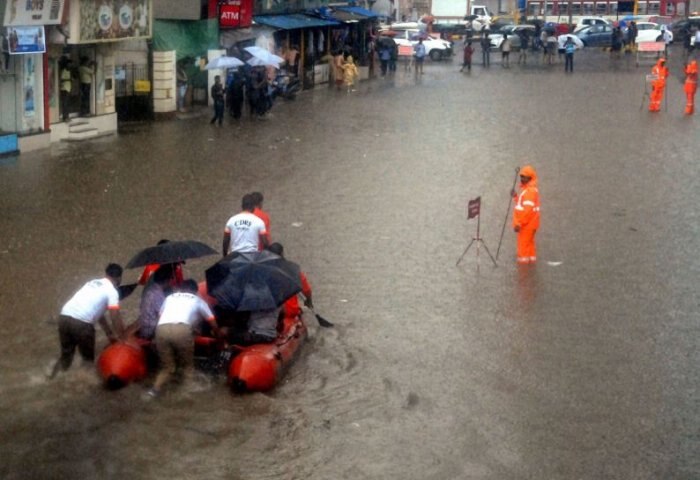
x=121 y=363
x=258 y=368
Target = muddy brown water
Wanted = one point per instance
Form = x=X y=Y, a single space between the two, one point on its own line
x=584 y=366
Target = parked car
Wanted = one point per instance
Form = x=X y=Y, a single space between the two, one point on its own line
x=649 y=32
x=513 y=32
x=596 y=36
x=588 y=21
x=680 y=27
x=435 y=48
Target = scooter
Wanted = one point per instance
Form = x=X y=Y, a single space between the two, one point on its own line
x=285 y=86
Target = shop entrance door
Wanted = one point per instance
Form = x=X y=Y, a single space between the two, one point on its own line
x=133 y=92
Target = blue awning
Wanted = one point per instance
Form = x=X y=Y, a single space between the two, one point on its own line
x=362 y=12
x=292 y=21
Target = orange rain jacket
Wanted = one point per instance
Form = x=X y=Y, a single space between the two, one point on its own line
x=526 y=213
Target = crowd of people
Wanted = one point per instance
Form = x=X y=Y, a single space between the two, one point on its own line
x=172 y=308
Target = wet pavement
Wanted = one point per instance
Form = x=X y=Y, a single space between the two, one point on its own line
x=583 y=366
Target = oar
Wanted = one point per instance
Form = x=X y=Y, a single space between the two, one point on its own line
x=321 y=321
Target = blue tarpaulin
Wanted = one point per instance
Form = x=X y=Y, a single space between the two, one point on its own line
x=363 y=12
x=292 y=21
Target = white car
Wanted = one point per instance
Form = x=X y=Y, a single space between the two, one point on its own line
x=513 y=32
x=588 y=21
x=435 y=48
x=649 y=32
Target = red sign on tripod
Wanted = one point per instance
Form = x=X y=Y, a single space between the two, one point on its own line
x=473 y=208
x=236 y=14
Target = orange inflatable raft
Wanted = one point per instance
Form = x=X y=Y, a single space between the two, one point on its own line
x=254 y=368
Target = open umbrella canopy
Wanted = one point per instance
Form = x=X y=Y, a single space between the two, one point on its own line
x=170 y=252
x=247 y=282
x=224 y=62
x=561 y=39
x=263 y=57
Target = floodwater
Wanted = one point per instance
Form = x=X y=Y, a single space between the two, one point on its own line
x=581 y=367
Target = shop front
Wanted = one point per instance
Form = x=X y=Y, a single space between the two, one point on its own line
x=98 y=67
x=24 y=123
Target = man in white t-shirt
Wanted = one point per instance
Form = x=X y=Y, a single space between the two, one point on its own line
x=181 y=312
x=76 y=323
x=245 y=232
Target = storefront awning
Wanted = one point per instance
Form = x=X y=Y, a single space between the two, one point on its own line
x=292 y=21
x=360 y=12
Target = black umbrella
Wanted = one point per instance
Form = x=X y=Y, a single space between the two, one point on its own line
x=248 y=282
x=170 y=252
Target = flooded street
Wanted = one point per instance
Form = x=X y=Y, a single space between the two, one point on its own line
x=581 y=367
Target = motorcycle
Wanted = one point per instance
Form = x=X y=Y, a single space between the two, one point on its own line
x=285 y=86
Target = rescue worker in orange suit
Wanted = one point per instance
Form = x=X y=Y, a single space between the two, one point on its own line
x=658 y=85
x=691 y=86
x=291 y=305
x=526 y=215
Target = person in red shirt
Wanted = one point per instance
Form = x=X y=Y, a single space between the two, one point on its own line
x=260 y=213
x=291 y=305
x=177 y=276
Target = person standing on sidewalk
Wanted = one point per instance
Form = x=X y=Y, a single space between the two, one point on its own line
x=85 y=71
x=569 y=48
x=419 y=53
x=485 y=48
x=526 y=215
x=217 y=94
x=467 y=60
x=505 y=51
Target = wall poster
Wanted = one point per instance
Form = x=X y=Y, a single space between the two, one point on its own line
x=108 y=20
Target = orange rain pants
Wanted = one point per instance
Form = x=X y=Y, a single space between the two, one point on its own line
x=657 y=94
x=691 y=86
x=527 y=252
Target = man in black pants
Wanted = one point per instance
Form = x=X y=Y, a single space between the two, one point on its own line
x=217 y=94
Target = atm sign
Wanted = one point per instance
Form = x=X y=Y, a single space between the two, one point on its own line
x=236 y=14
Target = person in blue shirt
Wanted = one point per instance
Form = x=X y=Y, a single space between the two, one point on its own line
x=569 y=48
x=419 y=52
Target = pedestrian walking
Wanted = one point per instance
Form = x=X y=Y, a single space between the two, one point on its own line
x=467 y=59
x=569 y=49
x=419 y=53
x=526 y=215
x=659 y=73
x=350 y=73
x=631 y=37
x=217 y=95
x=691 y=86
x=485 y=48
x=505 y=52
x=384 y=57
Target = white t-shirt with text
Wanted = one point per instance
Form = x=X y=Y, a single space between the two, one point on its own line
x=92 y=300
x=184 y=307
x=245 y=229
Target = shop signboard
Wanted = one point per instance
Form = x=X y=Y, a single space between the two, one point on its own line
x=26 y=40
x=29 y=13
x=112 y=20
x=236 y=14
